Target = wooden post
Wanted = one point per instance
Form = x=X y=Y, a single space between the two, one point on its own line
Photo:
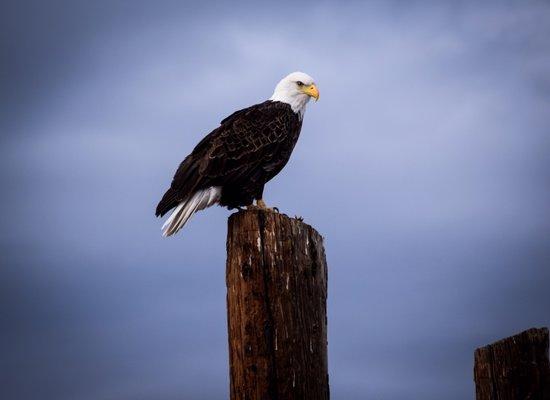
x=276 y=306
x=515 y=368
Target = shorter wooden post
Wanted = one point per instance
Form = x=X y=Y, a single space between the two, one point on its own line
x=515 y=368
x=276 y=308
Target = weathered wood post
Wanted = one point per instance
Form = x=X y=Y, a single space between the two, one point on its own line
x=276 y=306
x=515 y=368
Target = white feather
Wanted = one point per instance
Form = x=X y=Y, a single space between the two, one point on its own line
x=286 y=91
x=185 y=210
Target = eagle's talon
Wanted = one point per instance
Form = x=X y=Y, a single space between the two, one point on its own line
x=260 y=205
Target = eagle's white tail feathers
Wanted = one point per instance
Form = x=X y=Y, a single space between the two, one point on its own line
x=185 y=210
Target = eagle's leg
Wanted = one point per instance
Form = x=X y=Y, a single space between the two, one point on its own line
x=260 y=203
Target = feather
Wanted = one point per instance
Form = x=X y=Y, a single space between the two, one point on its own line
x=199 y=200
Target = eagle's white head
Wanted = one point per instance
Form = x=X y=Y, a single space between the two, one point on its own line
x=296 y=89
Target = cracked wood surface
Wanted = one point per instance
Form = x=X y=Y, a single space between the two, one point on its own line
x=515 y=368
x=276 y=303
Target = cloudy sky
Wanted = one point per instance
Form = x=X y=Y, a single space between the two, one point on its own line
x=425 y=165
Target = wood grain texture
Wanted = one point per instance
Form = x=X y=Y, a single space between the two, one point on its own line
x=276 y=303
x=515 y=368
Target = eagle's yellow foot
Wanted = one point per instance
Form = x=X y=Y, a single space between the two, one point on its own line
x=260 y=205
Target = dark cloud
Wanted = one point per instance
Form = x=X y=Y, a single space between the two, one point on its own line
x=424 y=165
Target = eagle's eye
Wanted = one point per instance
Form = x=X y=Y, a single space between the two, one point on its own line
x=300 y=83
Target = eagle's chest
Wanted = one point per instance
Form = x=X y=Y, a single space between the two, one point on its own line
x=280 y=147
x=281 y=137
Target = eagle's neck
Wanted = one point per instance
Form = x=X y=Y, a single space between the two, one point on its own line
x=297 y=102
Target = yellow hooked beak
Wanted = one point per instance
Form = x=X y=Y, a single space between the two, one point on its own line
x=311 y=91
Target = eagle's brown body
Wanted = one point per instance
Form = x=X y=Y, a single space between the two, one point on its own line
x=249 y=148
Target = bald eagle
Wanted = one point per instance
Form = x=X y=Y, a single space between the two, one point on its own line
x=231 y=165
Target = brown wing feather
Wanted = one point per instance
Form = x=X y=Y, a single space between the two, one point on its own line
x=249 y=148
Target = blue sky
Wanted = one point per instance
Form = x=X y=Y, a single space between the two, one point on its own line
x=424 y=165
